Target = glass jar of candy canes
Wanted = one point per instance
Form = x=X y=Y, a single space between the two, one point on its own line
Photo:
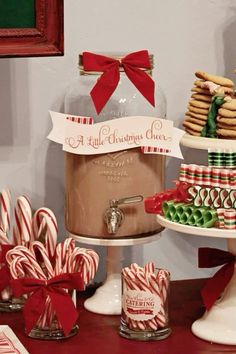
x=145 y=303
x=8 y=303
x=97 y=186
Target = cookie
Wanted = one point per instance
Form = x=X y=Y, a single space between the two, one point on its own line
x=224 y=126
x=199 y=104
x=201 y=97
x=219 y=80
x=192 y=126
x=226 y=133
x=227 y=113
x=201 y=90
x=195 y=121
x=197 y=115
x=201 y=84
x=198 y=110
x=231 y=105
x=227 y=121
x=192 y=132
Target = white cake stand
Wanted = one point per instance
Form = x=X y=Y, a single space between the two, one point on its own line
x=107 y=298
x=217 y=325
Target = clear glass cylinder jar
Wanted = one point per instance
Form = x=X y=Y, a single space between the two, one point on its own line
x=48 y=326
x=92 y=181
x=145 y=313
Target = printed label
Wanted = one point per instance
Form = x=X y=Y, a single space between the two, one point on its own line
x=140 y=305
x=115 y=135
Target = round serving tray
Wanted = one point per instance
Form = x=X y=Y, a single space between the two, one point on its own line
x=197 y=231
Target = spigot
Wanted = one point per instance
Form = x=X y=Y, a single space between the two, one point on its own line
x=114 y=216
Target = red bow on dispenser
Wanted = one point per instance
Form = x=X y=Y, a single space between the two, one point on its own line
x=212 y=257
x=54 y=288
x=5 y=275
x=133 y=65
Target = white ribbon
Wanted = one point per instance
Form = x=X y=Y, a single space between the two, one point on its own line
x=116 y=134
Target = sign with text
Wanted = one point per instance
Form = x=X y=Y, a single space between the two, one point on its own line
x=153 y=135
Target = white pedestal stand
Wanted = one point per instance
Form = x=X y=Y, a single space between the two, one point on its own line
x=107 y=298
x=218 y=325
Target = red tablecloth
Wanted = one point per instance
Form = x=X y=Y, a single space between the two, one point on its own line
x=98 y=334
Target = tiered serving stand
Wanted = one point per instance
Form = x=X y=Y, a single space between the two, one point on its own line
x=107 y=298
x=219 y=323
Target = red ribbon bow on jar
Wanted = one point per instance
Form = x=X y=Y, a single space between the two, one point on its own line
x=212 y=257
x=39 y=290
x=5 y=275
x=106 y=84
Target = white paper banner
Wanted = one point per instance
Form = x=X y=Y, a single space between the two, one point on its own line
x=154 y=135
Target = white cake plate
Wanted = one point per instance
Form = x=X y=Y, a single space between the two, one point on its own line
x=196 y=142
x=218 y=325
x=107 y=298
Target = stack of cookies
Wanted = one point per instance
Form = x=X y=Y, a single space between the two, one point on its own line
x=203 y=91
x=226 y=120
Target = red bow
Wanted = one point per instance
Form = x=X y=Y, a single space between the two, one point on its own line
x=54 y=288
x=108 y=81
x=5 y=275
x=211 y=257
x=153 y=204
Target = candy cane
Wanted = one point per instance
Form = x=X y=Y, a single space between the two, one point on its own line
x=4 y=240
x=22 y=233
x=45 y=229
x=6 y=345
x=160 y=317
x=85 y=261
x=149 y=268
x=163 y=279
x=37 y=248
x=28 y=260
x=63 y=252
x=5 y=209
x=132 y=284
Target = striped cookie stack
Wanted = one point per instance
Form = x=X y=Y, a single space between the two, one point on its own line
x=204 y=89
x=226 y=120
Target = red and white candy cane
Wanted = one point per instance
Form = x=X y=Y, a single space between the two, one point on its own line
x=45 y=229
x=63 y=253
x=6 y=345
x=39 y=250
x=163 y=279
x=5 y=210
x=131 y=283
x=146 y=284
x=85 y=261
x=22 y=232
x=149 y=267
x=4 y=239
x=160 y=318
x=27 y=260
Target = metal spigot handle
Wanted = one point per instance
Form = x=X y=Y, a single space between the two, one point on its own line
x=126 y=200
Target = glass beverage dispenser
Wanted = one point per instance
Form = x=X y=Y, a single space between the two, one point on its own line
x=105 y=192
